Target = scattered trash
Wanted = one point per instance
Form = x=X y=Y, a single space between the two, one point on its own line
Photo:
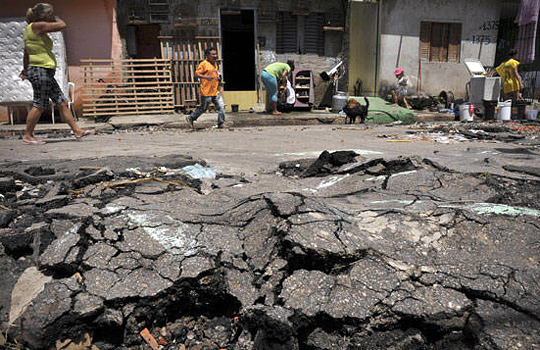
x=145 y=333
x=197 y=171
x=422 y=136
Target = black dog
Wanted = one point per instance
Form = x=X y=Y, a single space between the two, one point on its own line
x=354 y=109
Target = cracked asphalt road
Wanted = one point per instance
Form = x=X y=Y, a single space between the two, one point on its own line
x=414 y=243
x=257 y=150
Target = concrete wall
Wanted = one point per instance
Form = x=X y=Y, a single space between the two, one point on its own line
x=91 y=33
x=399 y=41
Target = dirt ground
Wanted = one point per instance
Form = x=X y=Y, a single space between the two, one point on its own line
x=257 y=150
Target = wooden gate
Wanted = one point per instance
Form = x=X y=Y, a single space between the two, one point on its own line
x=127 y=87
x=185 y=54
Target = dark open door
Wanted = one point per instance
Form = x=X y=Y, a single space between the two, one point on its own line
x=147 y=41
x=238 y=38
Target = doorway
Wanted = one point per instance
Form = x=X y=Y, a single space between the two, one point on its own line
x=148 y=41
x=238 y=53
x=363 y=46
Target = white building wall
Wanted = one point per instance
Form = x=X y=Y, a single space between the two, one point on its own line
x=399 y=41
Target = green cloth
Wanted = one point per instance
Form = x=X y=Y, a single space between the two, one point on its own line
x=382 y=112
x=276 y=70
x=39 y=49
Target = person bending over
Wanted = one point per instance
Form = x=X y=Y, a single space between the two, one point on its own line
x=271 y=76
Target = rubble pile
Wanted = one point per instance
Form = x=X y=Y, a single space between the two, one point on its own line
x=524 y=132
x=352 y=253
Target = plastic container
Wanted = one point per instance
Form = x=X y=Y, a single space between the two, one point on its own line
x=489 y=109
x=466 y=112
x=505 y=110
x=339 y=100
x=234 y=107
x=532 y=114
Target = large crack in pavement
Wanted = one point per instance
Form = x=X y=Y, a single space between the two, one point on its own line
x=343 y=253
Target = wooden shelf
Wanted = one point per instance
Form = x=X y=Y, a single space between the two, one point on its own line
x=185 y=25
x=334 y=29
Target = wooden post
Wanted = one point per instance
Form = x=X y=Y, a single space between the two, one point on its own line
x=259 y=71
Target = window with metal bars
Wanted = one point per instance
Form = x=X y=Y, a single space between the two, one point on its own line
x=300 y=34
x=440 y=42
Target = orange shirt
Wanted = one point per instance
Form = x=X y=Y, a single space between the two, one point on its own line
x=208 y=87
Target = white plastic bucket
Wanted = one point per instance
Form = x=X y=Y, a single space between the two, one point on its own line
x=505 y=110
x=531 y=114
x=466 y=112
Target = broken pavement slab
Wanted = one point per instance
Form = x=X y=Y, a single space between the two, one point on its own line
x=30 y=284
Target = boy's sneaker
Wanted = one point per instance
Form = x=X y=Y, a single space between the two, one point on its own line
x=190 y=121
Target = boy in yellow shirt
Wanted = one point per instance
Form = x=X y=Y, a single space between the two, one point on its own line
x=207 y=73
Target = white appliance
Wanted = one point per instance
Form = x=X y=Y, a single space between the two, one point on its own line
x=481 y=86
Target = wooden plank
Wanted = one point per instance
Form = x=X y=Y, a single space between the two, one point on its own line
x=185 y=76
x=162 y=69
x=137 y=60
x=191 y=71
x=259 y=70
x=127 y=105
x=200 y=55
x=102 y=114
x=125 y=85
x=124 y=107
x=180 y=75
x=121 y=90
x=107 y=97
x=121 y=65
x=115 y=108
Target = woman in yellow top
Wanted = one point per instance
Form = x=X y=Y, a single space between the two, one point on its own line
x=39 y=66
x=510 y=77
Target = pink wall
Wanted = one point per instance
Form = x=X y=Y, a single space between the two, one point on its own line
x=91 y=33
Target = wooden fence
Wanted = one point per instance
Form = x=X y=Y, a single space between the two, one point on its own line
x=185 y=54
x=127 y=87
